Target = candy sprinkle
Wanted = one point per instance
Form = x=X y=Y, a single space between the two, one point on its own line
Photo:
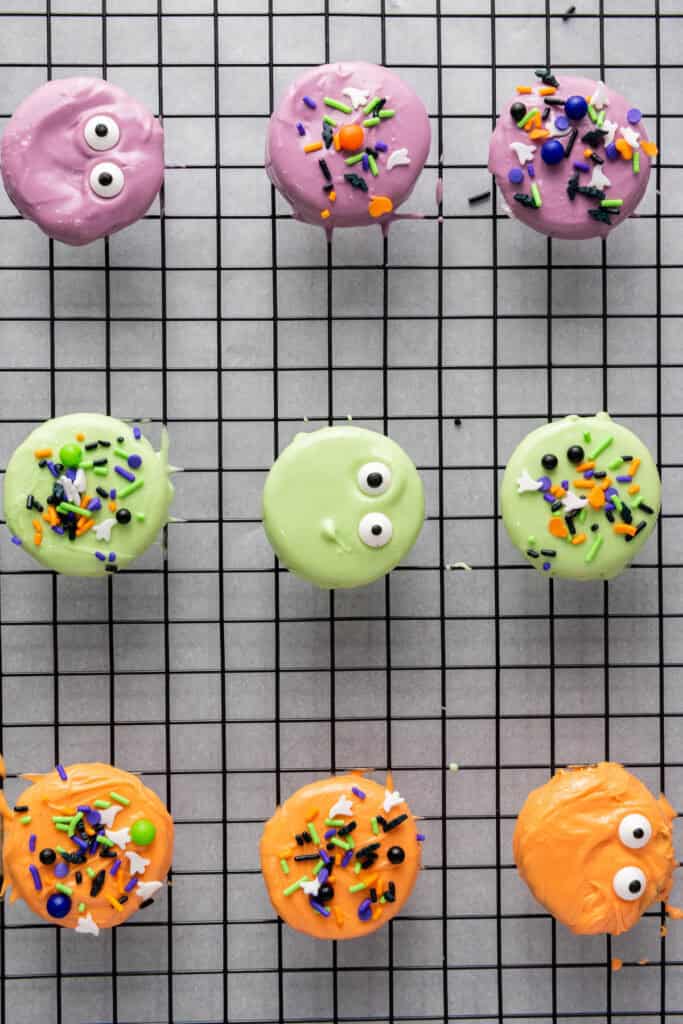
x=338 y=105
x=35 y=874
x=310 y=103
x=117 y=798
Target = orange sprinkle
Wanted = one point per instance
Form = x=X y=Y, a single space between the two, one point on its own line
x=115 y=903
x=37 y=525
x=370 y=880
x=539 y=133
x=626 y=528
x=547 y=90
x=380 y=205
x=579 y=539
x=337 y=141
x=584 y=466
x=37 y=539
x=557 y=527
x=43 y=453
x=633 y=467
x=87 y=525
x=607 y=482
x=523 y=90
x=312 y=147
x=80 y=436
x=581 y=483
x=112 y=506
x=557 y=491
x=85 y=500
x=284 y=854
x=649 y=147
x=588 y=153
x=339 y=916
x=376 y=912
x=332 y=197
x=634 y=488
x=312 y=813
x=624 y=148
x=596 y=498
x=617 y=964
x=675 y=913
x=324 y=214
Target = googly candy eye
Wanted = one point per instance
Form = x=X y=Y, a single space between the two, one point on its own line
x=374 y=478
x=106 y=180
x=549 y=461
x=575 y=453
x=375 y=530
x=101 y=132
x=629 y=884
x=635 y=831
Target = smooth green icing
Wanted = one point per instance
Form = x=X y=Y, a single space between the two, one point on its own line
x=528 y=515
x=77 y=558
x=313 y=504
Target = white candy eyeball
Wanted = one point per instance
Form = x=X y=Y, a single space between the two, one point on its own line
x=375 y=529
x=101 y=132
x=635 y=831
x=374 y=478
x=106 y=180
x=629 y=884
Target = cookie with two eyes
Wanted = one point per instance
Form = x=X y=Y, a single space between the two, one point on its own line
x=82 y=159
x=596 y=848
x=342 y=506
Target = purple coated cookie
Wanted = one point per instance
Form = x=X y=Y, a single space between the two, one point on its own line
x=602 y=173
x=366 y=139
x=82 y=159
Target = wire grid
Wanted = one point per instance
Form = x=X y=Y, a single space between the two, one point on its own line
x=230 y=684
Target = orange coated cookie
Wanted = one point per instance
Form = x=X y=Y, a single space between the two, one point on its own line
x=86 y=846
x=595 y=848
x=340 y=857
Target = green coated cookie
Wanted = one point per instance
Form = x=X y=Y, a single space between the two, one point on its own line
x=87 y=455
x=342 y=506
x=606 y=500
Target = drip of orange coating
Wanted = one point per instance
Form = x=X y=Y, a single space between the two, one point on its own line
x=351 y=136
x=675 y=913
x=567 y=848
x=617 y=964
x=48 y=795
x=290 y=819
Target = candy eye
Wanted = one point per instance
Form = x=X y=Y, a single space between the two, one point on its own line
x=374 y=478
x=106 y=180
x=549 y=461
x=629 y=884
x=575 y=453
x=375 y=530
x=635 y=831
x=101 y=132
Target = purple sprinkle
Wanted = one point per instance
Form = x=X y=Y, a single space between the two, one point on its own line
x=115 y=867
x=102 y=558
x=36 y=877
x=531 y=170
x=300 y=128
x=79 y=842
x=611 y=490
x=420 y=837
x=358 y=792
x=346 y=858
x=323 y=875
x=330 y=832
x=112 y=556
x=319 y=907
x=83 y=807
x=562 y=123
x=137 y=433
x=93 y=818
x=365 y=162
x=580 y=166
x=32 y=843
x=624 y=480
x=58 y=529
x=610 y=506
x=71 y=473
x=93 y=845
x=545 y=482
x=382 y=147
x=546 y=566
x=16 y=540
x=515 y=175
x=94 y=505
x=62 y=774
x=611 y=151
x=365 y=910
x=61 y=870
x=565 y=484
x=130 y=885
x=53 y=469
x=324 y=856
x=310 y=103
x=589 y=474
x=134 y=461
x=634 y=115
x=125 y=474
x=550 y=498
x=112 y=494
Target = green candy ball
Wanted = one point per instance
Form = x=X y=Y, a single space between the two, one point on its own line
x=71 y=455
x=143 y=832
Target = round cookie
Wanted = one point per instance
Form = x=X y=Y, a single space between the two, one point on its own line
x=580 y=496
x=567 y=167
x=82 y=159
x=595 y=848
x=86 y=846
x=347 y=144
x=340 y=856
x=85 y=494
x=342 y=506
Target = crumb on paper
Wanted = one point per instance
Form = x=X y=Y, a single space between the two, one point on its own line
x=617 y=964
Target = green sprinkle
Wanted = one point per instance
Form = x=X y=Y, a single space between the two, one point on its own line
x=62 y=817
x=615 y=463
x=60 y=849
x=64 y=889
x=102 y=804
x=60 y=827
x=374 y=825
x=357 y=887
x=26 y=820
x=636 y=501
x=370 y=122
x=117 y=796
x=140 y=516
x=536 y=195
x=81 y=906
x=386 y=114
x=601 y=119
x=612 y=204
x=120 y=452
x=74 y=821
x=592 y=113
x=600 y=449
x=295 y=885
x=338 y=105
x=587 y=436
x=87 y=464
x=351 y=160
x=531 y=541
x=100 y=471
x=90 y=873
x=350 y=841
x=357 y=867
x=369 y=107
x=340 y=843
x=66 y=506
x=313 y=832
x=104 y=840
x=319 y=864
x=330 y=120
x=382 y=899
x=594 y=548
x=583 y=515
x=373 y=165
x=334 y=822
x=124 y=494
x=617 y=502
x=636 y=162
x=284 y=865
x=527 y=117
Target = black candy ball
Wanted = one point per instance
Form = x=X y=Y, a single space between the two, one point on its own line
x=396 y=855
x=47 y=856
x=123 y=516
x=325 y=893
x=517 y=111
x=549 y=461
x=575 y=453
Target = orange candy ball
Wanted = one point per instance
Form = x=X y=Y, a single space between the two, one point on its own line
x=351 y=136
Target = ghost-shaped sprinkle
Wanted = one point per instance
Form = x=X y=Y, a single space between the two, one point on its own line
x=357 y=97
x=572 y=502
x=611 y=128
x=599 y=97
x=80 y=482
x=86 y=925
x=137 y=863
x=108 y=814
x=523 y=151
x=311 y=888
x=72 y=493
x=526 y=482
x=599 y=179
x=145 y=890
x=342 y=808
x=121 y=837
x=398 y=158
x=103 y=530
x=392 y=800
x=632 y=137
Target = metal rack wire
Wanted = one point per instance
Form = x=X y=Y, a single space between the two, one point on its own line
x=229 y=683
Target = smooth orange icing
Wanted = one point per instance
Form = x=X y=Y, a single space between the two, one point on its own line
x=49 y=795
x=313 y=803
x=567 y=847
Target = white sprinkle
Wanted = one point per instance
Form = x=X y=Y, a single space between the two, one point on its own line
x=392 y=800
x=524 y=152
x=358 y=97
x=398 y=158
x=137 y=863
x=147 y=889
x=342 y=808
x=86 y=926
x=526 y=482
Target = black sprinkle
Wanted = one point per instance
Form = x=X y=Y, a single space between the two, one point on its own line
x=123 y=898
x=100 y=462
x=568 y=13
x=600 y=474
x=379 y=106
x=595 y=527
x=641 y=526
x=102 y=493
x=107 y=853
x=97 y=883
x=457 y=421
x=569 y=520
x=610 y=516
x=479 y=198
x=71 y=532
x=556 y=505
x=107 y=444
x=546 y=114
x=37 y=506
x=306 y=836
x=119 y=440
x=21 y=808
x=646 y=508
x=594 y=137
x=328 y=135
x=553 y=101
x=43 y=463
x=596 y=159
x=111 y=568
x=394 y=823
x=601 y=214
x=627 y=458
x=370 y=151
x=525 y=200
x=328 y=188
x=570 y=142
x=548 y=552
x=79 y=877
x=144 y=904
x=381 y=819
x=91 y=446
x=373 y=895
x=29 y=501
x=625 y=513
x=531 y=553
x=325 y=169
x=307 y=856
x=347 y=828
x=367 y=849
x=356 y=181
x=299 y=840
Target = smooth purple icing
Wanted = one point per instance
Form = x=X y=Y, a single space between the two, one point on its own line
x=297 y=174
x=559 y=216
x=47 y=162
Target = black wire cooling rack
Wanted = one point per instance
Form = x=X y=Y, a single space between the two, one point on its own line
x=229 y=683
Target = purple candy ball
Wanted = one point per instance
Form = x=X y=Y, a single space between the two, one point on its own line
x=515 y=175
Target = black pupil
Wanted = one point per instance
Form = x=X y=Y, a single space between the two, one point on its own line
x=377 y=529
x=575 y=453
x=105 y=179
x=638 y=833
x=375 y=479
x=634 y=886
x=101 y=130
x=549 y=461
